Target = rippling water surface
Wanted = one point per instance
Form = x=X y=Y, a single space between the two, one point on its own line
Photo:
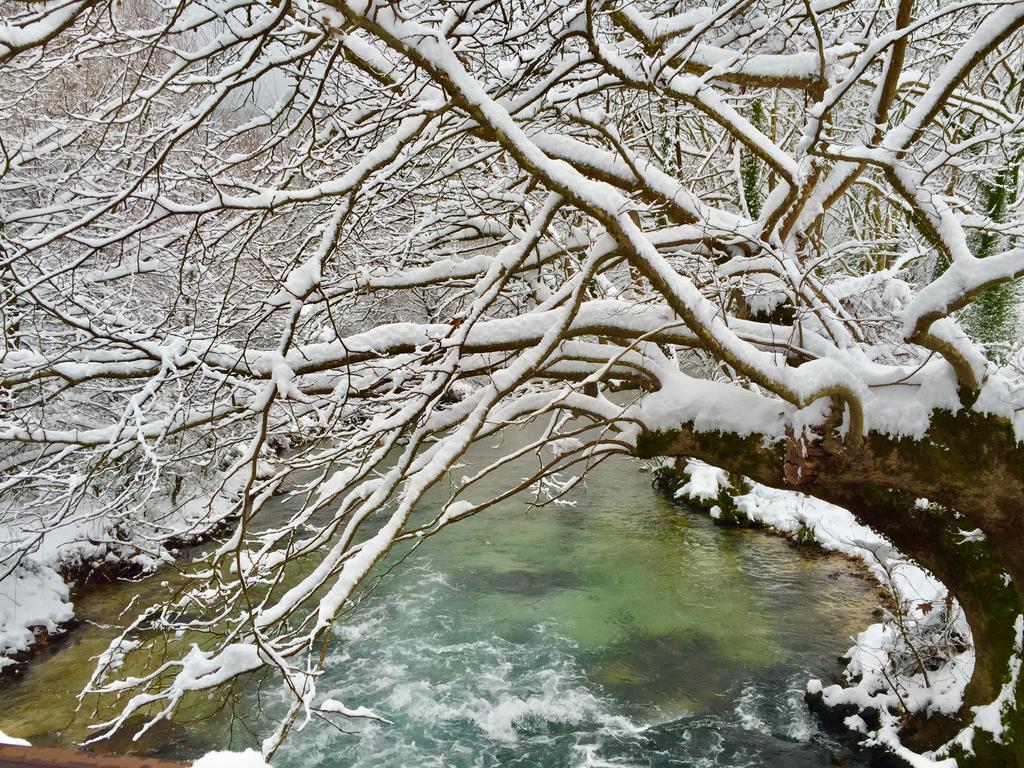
x=621 y=630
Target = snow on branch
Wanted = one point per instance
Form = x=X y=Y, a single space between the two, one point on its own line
x=321 y=249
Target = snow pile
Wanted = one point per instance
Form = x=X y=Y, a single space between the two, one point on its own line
x=40 y=548
x=703 y=485
x=250 y=758
x=33 y=595
x=919 y=659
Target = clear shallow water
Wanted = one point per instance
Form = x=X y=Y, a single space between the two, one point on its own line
x=622 y=631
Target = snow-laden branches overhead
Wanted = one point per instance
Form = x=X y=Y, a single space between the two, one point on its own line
x=372 y=233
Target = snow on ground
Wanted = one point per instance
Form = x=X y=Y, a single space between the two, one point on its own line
x=36 y=549
x=34 y=595
x=877 y=674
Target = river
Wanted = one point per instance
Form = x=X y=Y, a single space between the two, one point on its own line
x=620 y=630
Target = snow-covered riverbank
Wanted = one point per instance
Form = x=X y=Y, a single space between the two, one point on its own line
x=44 y=556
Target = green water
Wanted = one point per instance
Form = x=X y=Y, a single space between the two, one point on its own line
x=623 y=630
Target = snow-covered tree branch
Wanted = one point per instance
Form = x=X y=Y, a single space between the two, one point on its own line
x=367 y=234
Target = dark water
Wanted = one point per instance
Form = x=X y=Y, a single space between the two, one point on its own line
x=621 y=631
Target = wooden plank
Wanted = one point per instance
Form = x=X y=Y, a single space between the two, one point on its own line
x=46 y=757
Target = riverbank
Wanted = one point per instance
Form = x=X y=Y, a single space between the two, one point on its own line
x=48 y=562
x=36 y=757
x=18 y=753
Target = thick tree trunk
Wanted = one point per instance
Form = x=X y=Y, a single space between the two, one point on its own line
x=972 y=470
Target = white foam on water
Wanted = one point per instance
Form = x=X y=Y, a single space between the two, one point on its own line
x=589 y=757
x=711 y=752
x=455 y=700
x=776 y=713
x=802 y=724
x=558 y=701
x=747 y=710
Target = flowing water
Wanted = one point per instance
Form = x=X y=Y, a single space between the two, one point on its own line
x=620 y=630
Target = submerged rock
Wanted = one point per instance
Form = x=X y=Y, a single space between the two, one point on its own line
x=526 y=582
